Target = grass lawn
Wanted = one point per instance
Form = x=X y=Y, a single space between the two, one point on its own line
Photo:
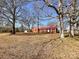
x=45 y=46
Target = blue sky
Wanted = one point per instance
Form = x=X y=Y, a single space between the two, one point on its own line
x=45 y=14
x=47 y=10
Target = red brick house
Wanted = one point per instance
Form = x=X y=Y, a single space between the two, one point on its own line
x=44 y=29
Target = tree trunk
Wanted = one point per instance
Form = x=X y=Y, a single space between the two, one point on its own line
x=28 y=27
x=14 y=18
x=62 y=34
x=14 y=31
x=72 y=31
x=61 y=30
x=61 y=19
x=38 y=24
x=61 y=26
x=70 y=34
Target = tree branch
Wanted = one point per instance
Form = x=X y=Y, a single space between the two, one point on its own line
x=49 y=5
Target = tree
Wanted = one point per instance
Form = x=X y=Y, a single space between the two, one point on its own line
x=72 y=13
x=59 y=11
x=28 y=19
x=11 y=10
x=66 y=9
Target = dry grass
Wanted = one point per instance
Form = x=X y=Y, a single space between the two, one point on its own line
x=45 y=46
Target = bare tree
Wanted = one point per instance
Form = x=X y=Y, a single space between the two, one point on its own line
x=73 y=14
x=59 y=11
x=69 y=8
x=28 y=19
x=11 y=10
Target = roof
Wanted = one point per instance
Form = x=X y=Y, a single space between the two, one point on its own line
x=53 y=27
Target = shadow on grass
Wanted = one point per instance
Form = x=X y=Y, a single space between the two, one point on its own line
x=44 y=44
x=76 y=37
x=30 y=33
